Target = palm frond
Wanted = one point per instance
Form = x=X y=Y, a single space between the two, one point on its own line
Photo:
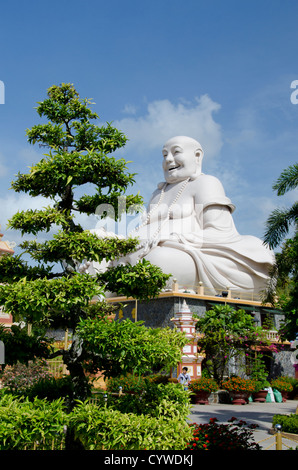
x=287 y=180
x=278 y=224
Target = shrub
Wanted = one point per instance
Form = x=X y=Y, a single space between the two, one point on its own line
x=289 y=423
x=151 y=400
x=51 y=388
x=238 y=384
x=24 y=423
x=129 y=383
x=105 y=428
x=213 y=436
x=205 y=383
x=294 y=392
x=282 y=384
x=19 y=378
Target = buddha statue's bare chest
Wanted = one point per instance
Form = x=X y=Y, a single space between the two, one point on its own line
x=175 y=202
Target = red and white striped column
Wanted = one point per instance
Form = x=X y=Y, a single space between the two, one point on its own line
x=185 y=322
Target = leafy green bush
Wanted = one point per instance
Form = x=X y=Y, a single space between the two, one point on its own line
x=159 y=378
x=129 y=383
x=105 y=428
x=149 y=397
x=232 y=436
x=19 y=378
x=294 y=392
x=24 y=422
x=289 y=423
x=51 y=388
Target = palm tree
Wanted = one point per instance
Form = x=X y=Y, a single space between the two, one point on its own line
x=280 y=220
x=284 y=276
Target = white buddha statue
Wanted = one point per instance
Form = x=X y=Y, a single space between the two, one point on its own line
x=189 y=231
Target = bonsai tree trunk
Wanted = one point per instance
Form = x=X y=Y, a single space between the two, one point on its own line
x=81 y=388
x=73 y=361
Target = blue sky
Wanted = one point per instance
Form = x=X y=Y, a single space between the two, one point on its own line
x=218 y=71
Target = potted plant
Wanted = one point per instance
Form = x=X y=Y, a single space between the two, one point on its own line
x=202 y=388
x=240 y=389
x=283 y=385
x=259 y=377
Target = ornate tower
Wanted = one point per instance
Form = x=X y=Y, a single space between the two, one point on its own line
x=191 y=359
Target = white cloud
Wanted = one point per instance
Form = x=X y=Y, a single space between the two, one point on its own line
x=165 y=119
x=10 y=204
x=129 y=109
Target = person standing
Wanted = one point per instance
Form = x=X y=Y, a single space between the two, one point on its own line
x=184 y=378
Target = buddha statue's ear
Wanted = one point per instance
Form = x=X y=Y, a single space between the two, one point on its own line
x=199 y=157
x=199 y=154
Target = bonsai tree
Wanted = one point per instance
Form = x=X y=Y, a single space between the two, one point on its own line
x=226 y=334
x=53 y=293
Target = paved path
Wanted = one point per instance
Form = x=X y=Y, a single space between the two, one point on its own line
x=252 y=413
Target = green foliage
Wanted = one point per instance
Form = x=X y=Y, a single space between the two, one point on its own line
x=51 y=176
x=21 y=347
x=237 y=435
x=259 y=373
x=144 y=396
x=278 y=224
x=24 y=423
x=50 y=388
x=289 y=423
x=226 y=333
x=287 y=287
x=128 y=383
x=284 y=276
x=78 y=156
x=103 y=428
x=159 y=424
x=43 y=299
x=294 y=382
x=78 y=246
x=282 y=384
x=34 y=221
x=279 y=221
x=13 y=268
x=120 y=347
x=287 y=180
x=142 y=281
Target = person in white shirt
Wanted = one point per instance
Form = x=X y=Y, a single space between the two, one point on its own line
x=184 y=378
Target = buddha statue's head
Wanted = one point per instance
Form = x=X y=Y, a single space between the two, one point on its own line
x=182 y=159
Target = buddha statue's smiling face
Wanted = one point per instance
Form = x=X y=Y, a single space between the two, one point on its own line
x=182 y=158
